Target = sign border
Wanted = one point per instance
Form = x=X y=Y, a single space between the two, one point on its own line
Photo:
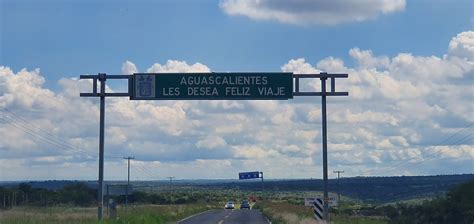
x=132 y=86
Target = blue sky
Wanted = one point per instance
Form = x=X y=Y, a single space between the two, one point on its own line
x=409 y=110
x=66 y=38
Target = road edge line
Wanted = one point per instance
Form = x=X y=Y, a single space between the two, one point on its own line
x=268 y=220
x=182 y=220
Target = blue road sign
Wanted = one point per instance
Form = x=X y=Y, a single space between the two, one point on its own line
x=249 y=175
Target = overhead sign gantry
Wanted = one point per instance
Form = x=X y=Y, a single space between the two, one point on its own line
x=213 y=86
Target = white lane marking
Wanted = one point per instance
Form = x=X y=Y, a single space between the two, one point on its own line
x=182 y=220
x=220 y=222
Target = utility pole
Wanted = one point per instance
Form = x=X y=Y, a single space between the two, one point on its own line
x=128 y=183
x=171 y=182
x=338 y=184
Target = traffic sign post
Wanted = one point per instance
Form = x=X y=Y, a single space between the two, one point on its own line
x=214 y=86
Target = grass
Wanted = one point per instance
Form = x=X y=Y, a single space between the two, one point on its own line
x=40 y=215
x=140 y=214
x=358 y=220
x=282 y=212
x=150 y=214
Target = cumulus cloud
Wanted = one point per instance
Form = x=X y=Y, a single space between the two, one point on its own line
x=399 y=112
x=129 y=68
x=462 y=46
x=365 y=59
x=178 y=66
x=399 y=105
x=211 y=142
x=250 y=152
x=311 y=11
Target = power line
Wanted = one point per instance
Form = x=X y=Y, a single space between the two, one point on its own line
x=440 y=152
x=446 y=141
x=145 y=171
x=43 y=135
x=23 y=127
x=30 y=123
x=427 y=157
x=47 y=140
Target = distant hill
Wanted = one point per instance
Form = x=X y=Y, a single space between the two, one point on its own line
x=368 y=189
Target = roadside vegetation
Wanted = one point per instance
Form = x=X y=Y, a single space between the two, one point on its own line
x=137 y=214
x=75 y=203
x=456 y=206
x=282 y=212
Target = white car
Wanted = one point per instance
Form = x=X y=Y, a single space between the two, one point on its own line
x=229 y=205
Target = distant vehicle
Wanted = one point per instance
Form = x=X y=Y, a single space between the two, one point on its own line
x=229 y=205
x=244 y=205
x=253 y=198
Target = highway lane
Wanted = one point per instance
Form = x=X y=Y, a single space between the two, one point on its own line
x=221 y=216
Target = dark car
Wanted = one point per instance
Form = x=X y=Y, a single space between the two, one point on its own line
x=244 y=205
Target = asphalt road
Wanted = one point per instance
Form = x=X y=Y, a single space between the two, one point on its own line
x=222 y=216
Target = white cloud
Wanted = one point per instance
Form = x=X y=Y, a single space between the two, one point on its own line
x=364 y=117
x=365 y=59
x=311 y=11
x=211 y=142
x=178 y=66
x=283 y=116
x=129 y=68
x=399 y=108
x=299 y=66
x=462 y=46
x=250 y=152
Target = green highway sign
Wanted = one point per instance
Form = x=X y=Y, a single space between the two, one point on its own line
x=212 y=86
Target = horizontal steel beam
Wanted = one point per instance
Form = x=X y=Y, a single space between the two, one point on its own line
x=106 y=94
x=320 y=94
x=321 y=75
x=107 y=76
x=294 y=94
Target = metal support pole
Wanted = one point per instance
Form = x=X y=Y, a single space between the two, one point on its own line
x=100 y=192
x=325 y=150
x=128 y=184
x=263 y=187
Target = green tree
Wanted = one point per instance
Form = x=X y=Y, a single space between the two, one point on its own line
x=456 y=207
x=78 y=194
